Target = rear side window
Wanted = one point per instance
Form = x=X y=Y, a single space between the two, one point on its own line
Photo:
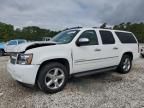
x=21 y=41
x=107 y=37
x=126 y=37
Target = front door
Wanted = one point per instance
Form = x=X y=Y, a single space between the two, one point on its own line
x=86 y=57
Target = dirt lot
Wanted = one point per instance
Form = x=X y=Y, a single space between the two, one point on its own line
x=107 y=90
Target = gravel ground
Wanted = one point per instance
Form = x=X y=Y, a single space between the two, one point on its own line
x=106 y=90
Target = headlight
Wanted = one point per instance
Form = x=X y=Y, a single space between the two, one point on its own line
x=24 y=59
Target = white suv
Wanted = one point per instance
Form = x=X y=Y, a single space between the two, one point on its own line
x=73 y=52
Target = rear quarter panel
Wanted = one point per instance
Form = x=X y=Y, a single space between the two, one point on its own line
x=130 y=48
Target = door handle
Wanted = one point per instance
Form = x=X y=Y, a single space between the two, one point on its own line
x=97 y=50
x=115 y=48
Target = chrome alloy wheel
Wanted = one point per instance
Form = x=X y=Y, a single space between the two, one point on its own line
x=126 y=64
x=54 y=78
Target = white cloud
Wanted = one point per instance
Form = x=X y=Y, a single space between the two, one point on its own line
x=57 y=14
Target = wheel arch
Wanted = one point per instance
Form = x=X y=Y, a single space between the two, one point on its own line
x=63 y=61
x=128 y=53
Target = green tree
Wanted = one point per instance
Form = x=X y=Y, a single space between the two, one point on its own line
x=136 y=28
x=6 y=31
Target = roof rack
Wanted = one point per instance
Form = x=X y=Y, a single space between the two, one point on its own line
x=95 y=27
x=72 y=28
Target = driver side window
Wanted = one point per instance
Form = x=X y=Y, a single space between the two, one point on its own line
x=91 y=35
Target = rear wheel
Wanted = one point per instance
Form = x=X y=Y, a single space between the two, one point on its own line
x=125 y=64
x=53 y=77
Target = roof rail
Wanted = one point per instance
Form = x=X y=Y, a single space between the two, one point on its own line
x=72 y=28
x=95 y=27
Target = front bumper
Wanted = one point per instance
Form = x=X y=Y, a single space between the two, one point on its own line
x=23 y=73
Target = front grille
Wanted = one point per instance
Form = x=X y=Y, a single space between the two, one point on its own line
x=13 y=58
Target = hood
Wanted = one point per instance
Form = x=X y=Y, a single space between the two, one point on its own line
x=30 y=45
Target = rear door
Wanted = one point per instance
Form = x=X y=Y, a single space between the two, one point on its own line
x=109 y=49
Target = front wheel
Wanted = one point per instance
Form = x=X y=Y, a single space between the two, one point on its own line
x=125 y=64
x=53 y=77
x=142 y=55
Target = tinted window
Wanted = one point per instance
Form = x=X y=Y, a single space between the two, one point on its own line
x=91 y=35
x=21 y=41
x=12 y=43
x=107 y=37
x=126 y=37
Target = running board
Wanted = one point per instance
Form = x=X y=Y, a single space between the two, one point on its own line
x=91 y=72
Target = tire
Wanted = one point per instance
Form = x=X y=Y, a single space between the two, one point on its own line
x=1 y=52
x=125 y=64
x=52 y=77
x=142 y=55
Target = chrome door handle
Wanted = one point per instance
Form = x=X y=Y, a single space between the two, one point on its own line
x=115 y=48
x=97 y=50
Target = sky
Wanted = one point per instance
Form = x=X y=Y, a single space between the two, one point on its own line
x=59 y=14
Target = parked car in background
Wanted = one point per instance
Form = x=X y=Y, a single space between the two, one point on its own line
x=142 y=52
x=2 y=51
x=74 y=52
x=9 y=47
x=46 y=38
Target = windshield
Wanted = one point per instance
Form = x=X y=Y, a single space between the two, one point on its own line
x=65 y=36
x=12 y=42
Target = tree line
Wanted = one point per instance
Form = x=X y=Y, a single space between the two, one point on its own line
x=34 y=33
x=136 y=28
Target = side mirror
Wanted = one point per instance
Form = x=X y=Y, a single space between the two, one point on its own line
x=83 y=41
